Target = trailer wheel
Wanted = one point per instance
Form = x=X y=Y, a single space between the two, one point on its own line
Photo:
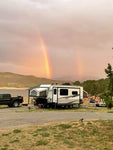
x=16 y=104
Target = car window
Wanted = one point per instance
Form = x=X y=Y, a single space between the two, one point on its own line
x=5 y=96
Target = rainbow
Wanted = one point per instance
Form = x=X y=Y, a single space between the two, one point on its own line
x=46 y=59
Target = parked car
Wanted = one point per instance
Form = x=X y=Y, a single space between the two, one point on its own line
x=92 y=101
x=101 y=103
x=7 y=99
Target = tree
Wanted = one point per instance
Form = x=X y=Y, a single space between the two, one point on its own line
x=66 y=83
x=77 y=83
x=108 y=95
x=109 y=73
x=94 y=87
x=107 y=98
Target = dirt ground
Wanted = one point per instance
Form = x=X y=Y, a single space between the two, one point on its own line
x=20 y=117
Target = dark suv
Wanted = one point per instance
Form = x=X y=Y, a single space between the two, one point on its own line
x=6 y=99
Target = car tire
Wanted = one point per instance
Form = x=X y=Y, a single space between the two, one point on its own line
x=16 y=104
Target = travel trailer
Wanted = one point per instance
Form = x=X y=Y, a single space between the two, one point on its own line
x=57 y=95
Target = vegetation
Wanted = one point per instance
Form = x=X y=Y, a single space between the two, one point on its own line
x=108 y=94
x=109 y=73
x=108 y=99
x=102 y=87
x=71 y=135
x=94 y=87
x=87 y=109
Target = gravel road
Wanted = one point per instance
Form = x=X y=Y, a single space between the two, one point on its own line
x=9 y=118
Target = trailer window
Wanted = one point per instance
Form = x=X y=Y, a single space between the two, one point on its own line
x=33 y=93
x=63 y=92
x=75 y=93
x=55 y=92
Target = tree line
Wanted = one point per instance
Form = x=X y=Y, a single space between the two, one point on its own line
x=102 y=87
x=94 y=87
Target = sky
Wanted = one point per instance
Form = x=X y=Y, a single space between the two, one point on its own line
x=58 y=39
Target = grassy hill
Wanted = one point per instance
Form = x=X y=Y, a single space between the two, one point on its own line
x=22 y=81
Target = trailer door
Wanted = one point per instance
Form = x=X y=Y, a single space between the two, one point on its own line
x=55 y=95
x=75 y=95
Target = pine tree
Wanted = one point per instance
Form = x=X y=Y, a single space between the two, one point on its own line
x=109 y=94
x=109 y=73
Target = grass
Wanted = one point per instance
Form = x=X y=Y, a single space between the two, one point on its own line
x=68 y=135
x=3 y=106
x=88 y=109
x=42 y=142
x=82 y=109
x=16 y=131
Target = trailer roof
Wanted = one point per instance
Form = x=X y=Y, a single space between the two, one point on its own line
x=68 y=86
x=45 y=85
x=54 y=85
x=40 y=86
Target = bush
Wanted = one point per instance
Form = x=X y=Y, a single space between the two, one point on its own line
x=108 y=99
x=16 y=131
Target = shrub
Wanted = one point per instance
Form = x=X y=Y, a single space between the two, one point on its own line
x=16 y=131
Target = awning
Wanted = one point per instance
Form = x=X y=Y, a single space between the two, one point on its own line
x=37 y=91
x=40 y=89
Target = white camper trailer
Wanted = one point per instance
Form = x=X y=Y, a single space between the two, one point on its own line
x=55 y=95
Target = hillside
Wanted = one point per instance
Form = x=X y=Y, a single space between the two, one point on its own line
x=22 y=81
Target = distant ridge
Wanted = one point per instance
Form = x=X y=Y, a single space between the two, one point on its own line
x=8 y=79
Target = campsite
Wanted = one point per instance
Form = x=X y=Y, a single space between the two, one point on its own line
x=56 y=75
x=47 y=128
x=54 y=128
